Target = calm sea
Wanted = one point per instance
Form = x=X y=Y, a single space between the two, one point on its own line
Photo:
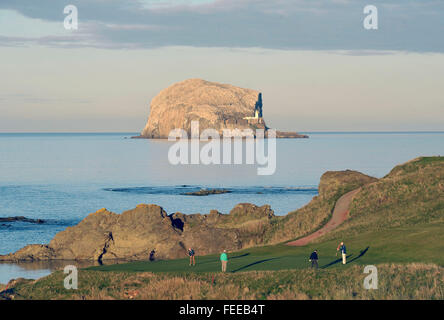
x=61 y=178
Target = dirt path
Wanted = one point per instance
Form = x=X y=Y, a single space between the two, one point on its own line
x=340 y=214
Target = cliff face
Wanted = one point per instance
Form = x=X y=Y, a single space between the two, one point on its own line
x=214 y=105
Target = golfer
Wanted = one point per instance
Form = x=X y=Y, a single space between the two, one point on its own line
x=343 y=250
x=314 y=259
x=224 y=260
x=192 y=254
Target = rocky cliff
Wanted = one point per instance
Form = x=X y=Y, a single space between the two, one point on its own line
x=134 y=234
x=214 y=105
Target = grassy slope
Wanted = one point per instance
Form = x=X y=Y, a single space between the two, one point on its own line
x=411 y=195
x=315 y=214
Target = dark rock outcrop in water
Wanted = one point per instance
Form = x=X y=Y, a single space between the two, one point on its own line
x=214 y=105
x=137 y=233
x=206 y=192
x=21 y=219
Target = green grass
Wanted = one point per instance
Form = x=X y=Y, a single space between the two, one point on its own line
x=419 y=243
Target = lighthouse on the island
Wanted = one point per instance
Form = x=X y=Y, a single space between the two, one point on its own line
x=257 y=118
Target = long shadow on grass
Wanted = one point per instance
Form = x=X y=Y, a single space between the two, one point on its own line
x=241 y=256
x=335 y=262
x=361 y=253
x=253 y=264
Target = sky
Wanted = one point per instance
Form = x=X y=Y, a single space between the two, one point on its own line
x=318 y=68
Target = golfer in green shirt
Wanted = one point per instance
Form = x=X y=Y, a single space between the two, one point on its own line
x=224 y=260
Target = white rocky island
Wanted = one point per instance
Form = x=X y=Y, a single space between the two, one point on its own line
x=214 y=105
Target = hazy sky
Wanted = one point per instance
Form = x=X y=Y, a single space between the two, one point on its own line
x=316 y=65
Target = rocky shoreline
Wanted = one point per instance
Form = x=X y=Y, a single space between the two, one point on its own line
x=134 y=234
x=279 y=135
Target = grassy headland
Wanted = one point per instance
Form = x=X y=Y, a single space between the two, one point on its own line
x=411 y=195
x=395 y=223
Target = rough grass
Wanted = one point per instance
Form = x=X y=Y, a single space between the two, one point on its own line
x=412 y=281
x=411 y=194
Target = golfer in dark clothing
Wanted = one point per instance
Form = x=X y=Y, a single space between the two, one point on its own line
x=152 y=253
x=314 y=259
